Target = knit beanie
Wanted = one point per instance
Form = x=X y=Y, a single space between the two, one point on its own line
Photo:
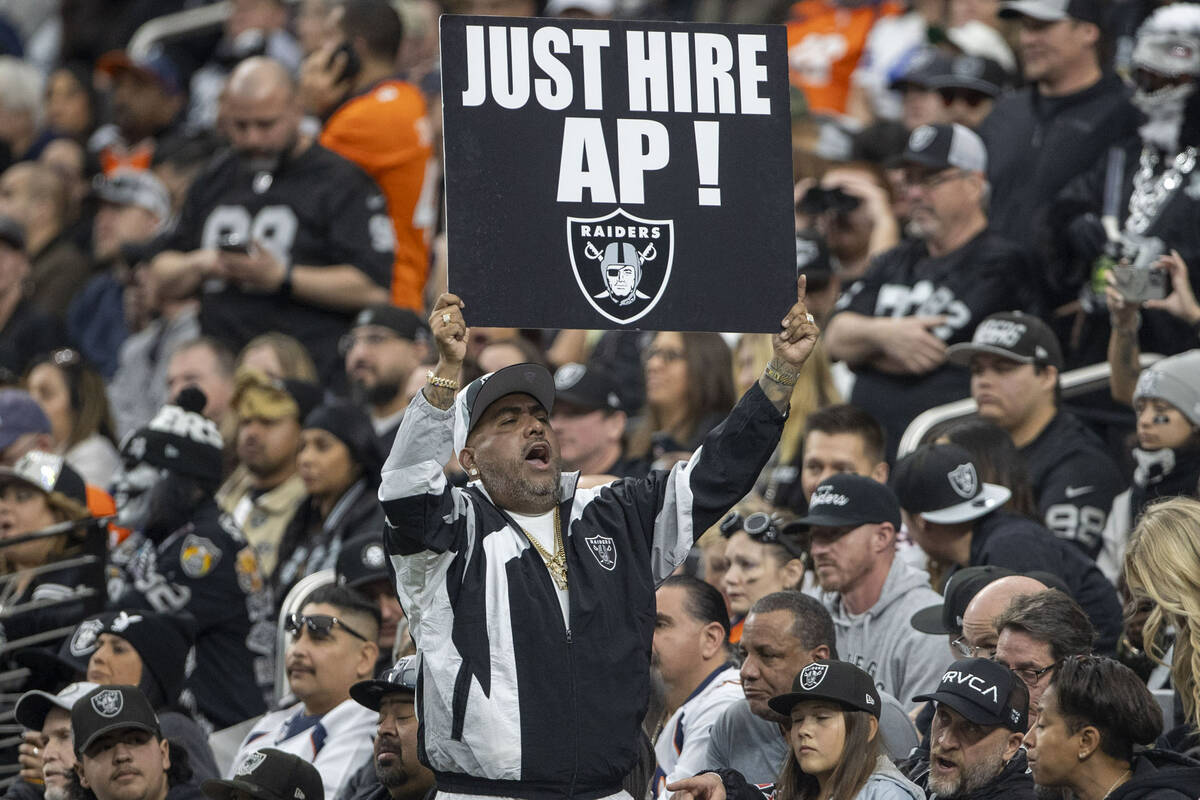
x=353 y=427
x=1176 y=380
x=180 y=439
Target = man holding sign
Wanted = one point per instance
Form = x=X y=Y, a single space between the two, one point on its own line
x=531 y=599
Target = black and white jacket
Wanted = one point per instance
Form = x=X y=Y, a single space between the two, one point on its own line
x=512 y=702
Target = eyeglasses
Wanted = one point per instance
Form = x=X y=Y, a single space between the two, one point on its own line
x=972 y=651
x=1028 y=675
x=930 y=181
x=971 y=97
x=667 y=354
x=369 y=338
x=320 y=626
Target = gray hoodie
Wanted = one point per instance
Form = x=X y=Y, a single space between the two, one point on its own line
x=903 y=661
x=888 y=783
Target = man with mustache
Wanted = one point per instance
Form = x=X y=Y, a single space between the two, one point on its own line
x=47 y=753
x=979 y=721
x=531 y=598
x=393 y=773
x=382 y=349
x=331 y=647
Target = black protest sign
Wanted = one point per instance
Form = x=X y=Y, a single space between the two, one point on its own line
x=618 y=174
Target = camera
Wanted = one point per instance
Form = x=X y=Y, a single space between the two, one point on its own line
x=819 y=201
x=1136 y=277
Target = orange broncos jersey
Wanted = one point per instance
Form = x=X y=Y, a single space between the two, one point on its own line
x=825 y=42
x=386 y=132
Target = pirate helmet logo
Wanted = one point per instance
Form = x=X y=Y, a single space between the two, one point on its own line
x=108 y=703
x=921 y=138
x=83 y=642
x=622 y=263
x=964 y=481
x=251 y=763
x=812 y=675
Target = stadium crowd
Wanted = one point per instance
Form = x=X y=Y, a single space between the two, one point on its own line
x=276 y=523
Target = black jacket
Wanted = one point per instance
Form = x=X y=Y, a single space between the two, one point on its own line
x=1075 y=480
x=1023 y=545
x=1160 y=775
x=512 y=701
x=1013 y=783
x=1037 y=144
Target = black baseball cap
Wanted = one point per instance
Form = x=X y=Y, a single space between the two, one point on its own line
x=587 y=387
x=944 y=146
x=941 y=483
x=922 y=68
x=47 y=472
x=400 y=678
x=979 y=689
x=12 y=233
x=404 y=322
x=847 y=500
x=473 y=401
x=1053 y=10
x=978 y=73
x=1012 y=335
x=362 y=560
x=110 y=708
x=838 y=681
x=269 y=774
x=961 y=588
x=32 y=707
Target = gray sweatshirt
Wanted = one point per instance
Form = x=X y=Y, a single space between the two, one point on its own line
x=887 y=783
x=903 y=661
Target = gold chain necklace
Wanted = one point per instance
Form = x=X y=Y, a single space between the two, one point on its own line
x=556 y=563
x=1122 y=777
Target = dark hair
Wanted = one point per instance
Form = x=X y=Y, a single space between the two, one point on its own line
x=811 y=622
x=90 y=412
x=179 y=773
x=709 y=391
x=1051 y=617
x=845 y=418
x=1110 y=697
x=376 y=23
x=704 y=603
x=995 y=456
x=854 y=768
x=348 y=601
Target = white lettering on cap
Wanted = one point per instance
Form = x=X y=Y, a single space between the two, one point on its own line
x=972 y=681
x=826 y=496
x=1002 y=332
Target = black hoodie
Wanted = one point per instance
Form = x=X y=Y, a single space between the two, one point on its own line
x=1013 y=783
x=1160 y=775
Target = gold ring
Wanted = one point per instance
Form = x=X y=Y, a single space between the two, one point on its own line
x=446 y=317
x=810 y=318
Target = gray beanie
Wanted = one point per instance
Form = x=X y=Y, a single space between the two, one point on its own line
x=1176 y=380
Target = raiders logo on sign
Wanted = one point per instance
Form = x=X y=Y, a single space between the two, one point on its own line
x=251 y=763
x=604 y=551
x=812 y=675
x=108 y=703
x=622 y=263
x=963 y=480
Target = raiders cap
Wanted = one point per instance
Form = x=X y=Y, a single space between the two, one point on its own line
x=400 y=678
x=977 y=73
x=941 y=483
x=47 y=472
x=587 y=388
x=269 y=774
x=847 y=500
x=961 y=588
x=944 y=146
x=1012 y=335
x=978 y=689
x=32 y=707
x=830 y=680
x=110 y=708
x=472 y=402
x=401 y=321
x=1053 y=10
x=362 y=560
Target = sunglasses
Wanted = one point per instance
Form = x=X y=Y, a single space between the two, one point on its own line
x=320 y=626
x=969 y=96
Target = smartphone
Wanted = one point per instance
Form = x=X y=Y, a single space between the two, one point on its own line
x=1138 y=284
x=233 y=243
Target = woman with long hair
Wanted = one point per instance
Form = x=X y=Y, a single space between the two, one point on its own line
x=1162 y=566
x=835 y=750
x=74 y=398
x=1090 y=719
x=763 y=555
x=689 y=390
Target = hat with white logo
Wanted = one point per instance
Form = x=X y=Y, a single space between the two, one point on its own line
x=944 y=146
x=362 y=560
x=941 y=483
x=400 y=678
x=269 y=774
x=32 y=707
x=1176 y=380
x=979 y=690
x=472 y=402
x=110 y=708
x=1012 y=335
x=179 y=438
x=587 y=388
x=826 y=679
x=847 y=500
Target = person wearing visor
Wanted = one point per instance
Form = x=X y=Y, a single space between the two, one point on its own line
x=765 y=555
x=870 y=593
x=836 y=749
x=331 y=646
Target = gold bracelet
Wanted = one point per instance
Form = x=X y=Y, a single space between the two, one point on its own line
x=782 y=378
x=441 y=383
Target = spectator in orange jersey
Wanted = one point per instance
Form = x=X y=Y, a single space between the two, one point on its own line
x=378 y=121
